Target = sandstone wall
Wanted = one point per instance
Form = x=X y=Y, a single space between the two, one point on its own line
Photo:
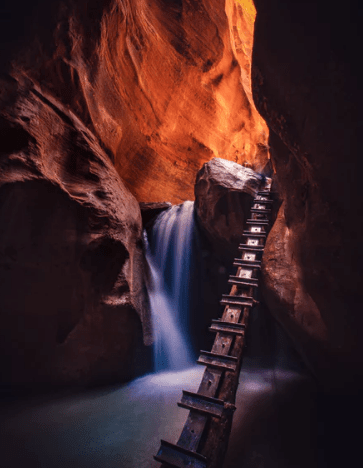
x=102 y=102
x=164 y=85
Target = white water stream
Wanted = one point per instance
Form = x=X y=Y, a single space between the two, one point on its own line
x=121 y=426
x=168 y=254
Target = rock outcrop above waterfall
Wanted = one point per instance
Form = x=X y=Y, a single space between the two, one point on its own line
x=307 y=85
x=223 y=194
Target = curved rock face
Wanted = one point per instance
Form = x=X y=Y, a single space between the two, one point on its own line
x=164 y=85
x=71 y=266
x=71 y=271
x=149 y=91
x=143 y=90
x=306 y=84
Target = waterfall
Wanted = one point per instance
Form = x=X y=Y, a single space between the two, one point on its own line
x=168 y=252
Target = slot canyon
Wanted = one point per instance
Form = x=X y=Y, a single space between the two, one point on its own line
x=114 y=113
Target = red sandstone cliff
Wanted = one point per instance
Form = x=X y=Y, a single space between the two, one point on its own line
x=102 y=102
x=119 y=101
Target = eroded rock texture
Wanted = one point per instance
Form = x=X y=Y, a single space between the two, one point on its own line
x=164 y=85
x=71 y=267
x=71 y=287
x=148 y=92
x=306 y=84
x=91 y=91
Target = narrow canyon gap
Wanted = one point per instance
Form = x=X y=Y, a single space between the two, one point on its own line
x=107 y=104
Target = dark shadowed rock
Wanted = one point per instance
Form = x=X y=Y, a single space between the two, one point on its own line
x=71 y=260
x=149 y=211
x=307 y=85
x=285 y=292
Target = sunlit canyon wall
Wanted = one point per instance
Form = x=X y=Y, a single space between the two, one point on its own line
x=103 y=105
x=118 y=102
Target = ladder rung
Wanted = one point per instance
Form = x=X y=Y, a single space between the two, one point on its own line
x=179 y=457
x=237 y=300
x=262 y=222
x=202 y=404
x=240 y=263
x=241 y=283
x=263 y=193
x=227 y=327
x=254 y=234
x=251 y=248
x=219 y=361
x=258 y=210
x=252 y=262
x=260 y=217
x=256 y=200
x=239 y=280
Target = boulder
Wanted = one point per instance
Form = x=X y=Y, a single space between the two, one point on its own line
x=224 y=191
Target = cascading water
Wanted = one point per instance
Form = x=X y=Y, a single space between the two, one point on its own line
x=169 y=254
x=273 y=393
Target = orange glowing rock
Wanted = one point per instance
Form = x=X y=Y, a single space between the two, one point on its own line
x=165 y=87
x=172 y=90
x=151 y=90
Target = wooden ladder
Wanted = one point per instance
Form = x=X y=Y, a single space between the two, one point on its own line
x=204 y=438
